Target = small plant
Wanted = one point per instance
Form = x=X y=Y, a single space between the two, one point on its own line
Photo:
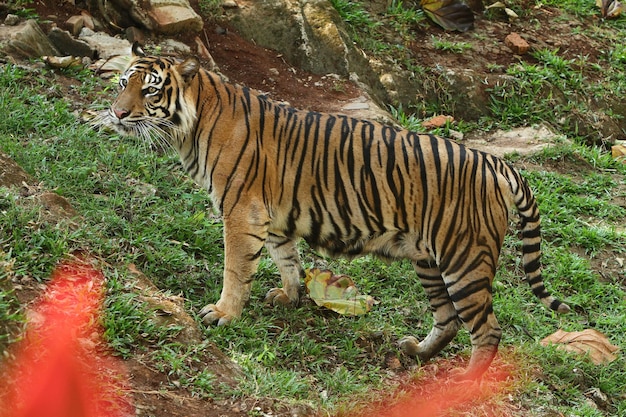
x=355 y=15
x=408 y=121
x=494 y=67
x=210 y=8
x=12 y=317
x=450 y=46
x=404 y=19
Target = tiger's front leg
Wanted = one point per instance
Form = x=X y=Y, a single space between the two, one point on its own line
x=284 y=252
x=244 y=237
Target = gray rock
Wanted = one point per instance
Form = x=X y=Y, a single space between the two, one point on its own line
x=173 y=16
x=310 y=34
x=11 y=20
x=174 y=46
x=68 y=45
x=162 y=16
x=26 y=39
x=106 y=46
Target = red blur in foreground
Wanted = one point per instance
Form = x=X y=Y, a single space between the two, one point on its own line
x=60 y=369
x=438 y=394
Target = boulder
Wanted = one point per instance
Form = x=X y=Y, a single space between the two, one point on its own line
x=68 y=45
x=26 y=39
x=310 y=34
x=173 y=16
x=306 y=32
x=106 y=46
x=162 y=16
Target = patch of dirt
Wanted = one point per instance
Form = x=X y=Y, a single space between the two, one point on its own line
x=543 y=28
x=266 y=70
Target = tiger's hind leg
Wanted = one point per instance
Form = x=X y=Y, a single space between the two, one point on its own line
x=472 y=295
x=446 y=323
x=284 y=252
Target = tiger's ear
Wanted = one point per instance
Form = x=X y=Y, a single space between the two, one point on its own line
x=136 y=50
x=188 y=69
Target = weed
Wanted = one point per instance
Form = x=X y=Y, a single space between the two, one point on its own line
x=355 y=15
x=12 y=317
x=450 y=46
x=403 y=19
x=210 y=8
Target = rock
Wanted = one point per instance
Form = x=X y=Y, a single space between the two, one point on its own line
x=174 y=16
x=75 y=24
x=163 y=16
x=516 y=43
x=11 y=20
x=310 y=35
x=522 y=140
x=68 y=45
x=437 y=121
x=106 y=46
x=618 y=152
x=134 y=34
x=356 y=105
x=26 y=39
x=90 y=22
x=176 y=47
x=456 y=135
x=306 y=33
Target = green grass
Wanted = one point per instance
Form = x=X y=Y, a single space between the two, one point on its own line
x=551 y=86
x=451 y=46
x=11 y=315
x=138 y=207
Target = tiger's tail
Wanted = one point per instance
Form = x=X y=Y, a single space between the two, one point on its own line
x=531 y=245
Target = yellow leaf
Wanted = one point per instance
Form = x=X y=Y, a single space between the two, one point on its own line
x=589 y=341
x=610 y=9
x=336 y=292
x=449 y=14
x=619 y=152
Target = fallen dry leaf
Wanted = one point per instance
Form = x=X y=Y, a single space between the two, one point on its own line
x=589 y=341
x=449 y=14
x=618 y=152
x=611 y=9
x=336 y=292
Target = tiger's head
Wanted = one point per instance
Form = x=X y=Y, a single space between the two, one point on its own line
x=152 y=103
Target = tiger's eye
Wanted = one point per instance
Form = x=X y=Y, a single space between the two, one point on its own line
x=151 y=90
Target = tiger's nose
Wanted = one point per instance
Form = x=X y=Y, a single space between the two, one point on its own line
x=121 y=113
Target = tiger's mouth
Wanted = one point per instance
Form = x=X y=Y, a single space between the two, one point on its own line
x=153 y=130
x=124 y=126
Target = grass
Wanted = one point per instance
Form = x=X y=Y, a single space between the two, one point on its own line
x=549 y=85
x=138 y=207
x=451 y=46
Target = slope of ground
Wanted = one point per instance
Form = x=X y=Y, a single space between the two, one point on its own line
x=266 y=70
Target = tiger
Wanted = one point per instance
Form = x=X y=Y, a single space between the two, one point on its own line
x=347 y=186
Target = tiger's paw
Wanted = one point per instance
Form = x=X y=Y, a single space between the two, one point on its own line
x=211 y=314
x=278 y=296
x=463 y=376
x=409 y=345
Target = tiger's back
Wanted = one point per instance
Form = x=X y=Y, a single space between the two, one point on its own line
x=346 y=186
